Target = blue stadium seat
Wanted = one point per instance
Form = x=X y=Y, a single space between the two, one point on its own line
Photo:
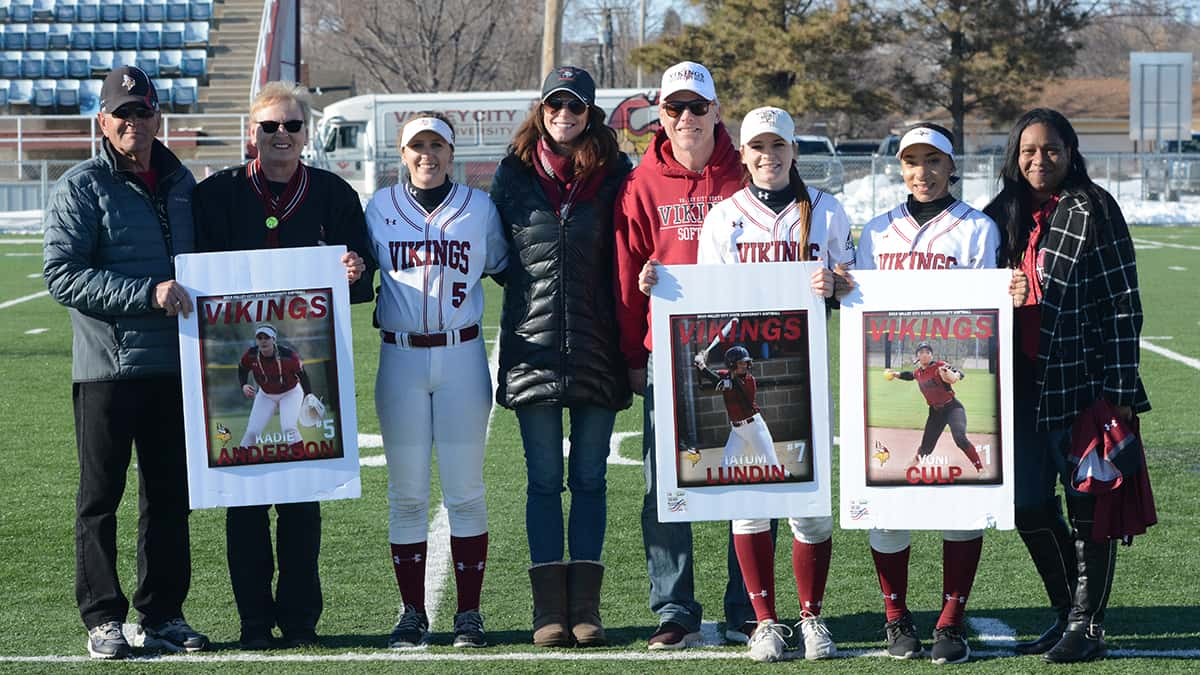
x=195 y=63
x=170 y=62
x=104 y=36
x=89 y=97
x=66 y=11
x=165 y=90
x=5 y=6
x=201 y=10
x=21 y=11
x=111 y=11
x=186 y=90
x=87 y=11
x=79 y=64
x=67 y=94
x=14 y=36
x=147 y=60
x=20 y=92
x=124 y=57
x=195 y=34
x=177 y=10
x=101 y=63
x=33 y=64
x=43 y=10
x=154 y=10
x=81 y=35
x=37 y=36
x=131 y=10
x=127 y=36
x=150 y=36
x=56 y=64
x=10 y=64
x=60 y=36
x=44 y=95
x=172 y=35
x=3 y=93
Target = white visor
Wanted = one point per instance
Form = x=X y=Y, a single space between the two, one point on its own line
x=416 y=126
x=925 y=136
x=265 y=330
x=767 y=121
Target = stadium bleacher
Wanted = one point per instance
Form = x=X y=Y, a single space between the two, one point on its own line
x=53 y=52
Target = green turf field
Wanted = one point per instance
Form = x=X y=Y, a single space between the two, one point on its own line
x=898 y=404
x=1154 y=613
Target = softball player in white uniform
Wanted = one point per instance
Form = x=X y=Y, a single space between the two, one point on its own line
x=765 y=223
x=433 y=390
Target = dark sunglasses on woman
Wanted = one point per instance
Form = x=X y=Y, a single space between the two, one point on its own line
x=574 y=105
x=271 y=126
x=698 y=107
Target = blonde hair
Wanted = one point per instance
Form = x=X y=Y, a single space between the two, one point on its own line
x=273 y=92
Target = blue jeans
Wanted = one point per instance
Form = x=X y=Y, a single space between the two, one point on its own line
x=669 y=550
x=542 y=436
x=1040 y=458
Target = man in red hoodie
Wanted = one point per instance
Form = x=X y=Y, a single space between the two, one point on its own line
x=690 y=165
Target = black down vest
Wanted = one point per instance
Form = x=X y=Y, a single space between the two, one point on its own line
x=558 y=325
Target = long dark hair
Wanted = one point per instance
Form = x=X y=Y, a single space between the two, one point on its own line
x=1012 y=209
x=803 y=202
x=595 y=149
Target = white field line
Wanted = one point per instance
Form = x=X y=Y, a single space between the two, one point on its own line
x=18 y=242
x=1156 y=244
x=1177 y=268
x=992 y=632
x=16 y=301
x=22 y=255
x=1174 y=356
x=422 y=655
x=36 y=331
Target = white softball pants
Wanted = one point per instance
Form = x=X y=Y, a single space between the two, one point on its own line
x=265 y=405
x=813 y=530
x=894 y=541
x=427 y=399
x=752 y=439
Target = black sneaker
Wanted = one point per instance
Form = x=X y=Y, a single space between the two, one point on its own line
x=411 y=629
x=106 y=641
x=902 y=638
x=950 y=645
x=468 y=629
x=171 y=635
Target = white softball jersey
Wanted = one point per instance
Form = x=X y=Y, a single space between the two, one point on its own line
x=431 y=262
x=959 y=237
x=742 y=229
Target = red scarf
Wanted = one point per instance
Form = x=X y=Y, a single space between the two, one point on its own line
x=1029 y=316
x=557 y=177
x=278 y=209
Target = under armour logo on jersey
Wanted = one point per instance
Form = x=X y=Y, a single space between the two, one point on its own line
x=390 y=221
x=462 y=568
x=737 y=224
x=762 y=195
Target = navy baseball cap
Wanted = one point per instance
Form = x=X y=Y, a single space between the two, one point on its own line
x=577 y=81
x=127 y=84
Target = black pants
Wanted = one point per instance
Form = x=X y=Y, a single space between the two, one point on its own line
x=954 y=414
x=296 y=604
x=110 y=419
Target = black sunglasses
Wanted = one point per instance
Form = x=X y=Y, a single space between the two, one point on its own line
x=271 y=126
x=698 y=107
x=132 y=112
x=574 y=105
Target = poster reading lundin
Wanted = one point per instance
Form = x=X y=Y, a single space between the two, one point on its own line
x=268 y=366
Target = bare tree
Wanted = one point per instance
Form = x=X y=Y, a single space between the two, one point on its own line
x=1124 y=26
x=432 y=45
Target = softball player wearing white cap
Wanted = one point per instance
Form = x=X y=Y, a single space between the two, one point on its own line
x=777 y=218
x=434 y=239
x=282 y=385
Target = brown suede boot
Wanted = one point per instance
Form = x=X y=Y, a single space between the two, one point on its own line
x=584 y=579
x=549 y=582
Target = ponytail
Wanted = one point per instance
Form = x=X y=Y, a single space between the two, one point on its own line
x=805 y=206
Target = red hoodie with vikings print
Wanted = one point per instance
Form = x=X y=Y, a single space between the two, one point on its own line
x=658 y=215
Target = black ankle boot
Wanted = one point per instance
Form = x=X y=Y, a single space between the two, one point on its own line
x=1080 y=642
x=1052 y=548
x=1083 y=639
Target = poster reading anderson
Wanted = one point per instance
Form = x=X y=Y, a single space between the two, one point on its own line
x=268 y=377
x=925 y=400
x=741 y=392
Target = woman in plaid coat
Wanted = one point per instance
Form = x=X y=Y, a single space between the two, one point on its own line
x=1075 y=342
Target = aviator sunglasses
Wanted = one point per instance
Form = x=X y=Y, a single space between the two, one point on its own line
x=271 y=126
x=574 y=105
x=698 y=107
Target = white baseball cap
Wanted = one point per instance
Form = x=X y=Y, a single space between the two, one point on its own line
x=688 y=76
x=926 y=136
x=419 y=124
x=768 y=120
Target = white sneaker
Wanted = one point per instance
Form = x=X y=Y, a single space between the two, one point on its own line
x=818 y=641
x=769 y=641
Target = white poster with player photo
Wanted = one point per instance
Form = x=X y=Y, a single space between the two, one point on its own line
x=741 y=394
x=926 y=401
x=268 y=377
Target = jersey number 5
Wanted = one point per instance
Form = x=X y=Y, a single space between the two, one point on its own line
x=458 y=293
